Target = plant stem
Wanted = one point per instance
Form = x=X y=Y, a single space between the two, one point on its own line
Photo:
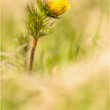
x=32 y=54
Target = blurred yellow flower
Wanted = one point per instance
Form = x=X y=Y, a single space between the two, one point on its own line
x=57 y=7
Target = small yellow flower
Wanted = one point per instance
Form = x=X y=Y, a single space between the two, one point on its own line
x=57 y=7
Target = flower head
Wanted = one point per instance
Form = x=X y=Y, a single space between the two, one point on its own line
x=56 y=7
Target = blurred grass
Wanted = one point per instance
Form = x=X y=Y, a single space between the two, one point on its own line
x=77 y=36
x=86 y=98
x=31 y=92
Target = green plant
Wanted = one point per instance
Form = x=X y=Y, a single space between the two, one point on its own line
x=38 y=20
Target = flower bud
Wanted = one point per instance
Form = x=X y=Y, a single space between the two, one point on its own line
x=56 y=7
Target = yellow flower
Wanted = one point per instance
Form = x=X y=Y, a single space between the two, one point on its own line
x=57 y=7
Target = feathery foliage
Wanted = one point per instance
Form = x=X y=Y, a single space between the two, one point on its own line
x=37 y=23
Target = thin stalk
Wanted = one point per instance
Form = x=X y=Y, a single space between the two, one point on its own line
x=25 y=62
x=32 y=54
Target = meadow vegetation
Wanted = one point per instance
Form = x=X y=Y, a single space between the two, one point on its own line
x=71 y=66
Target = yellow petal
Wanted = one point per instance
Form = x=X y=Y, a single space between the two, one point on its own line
x=57 y=7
